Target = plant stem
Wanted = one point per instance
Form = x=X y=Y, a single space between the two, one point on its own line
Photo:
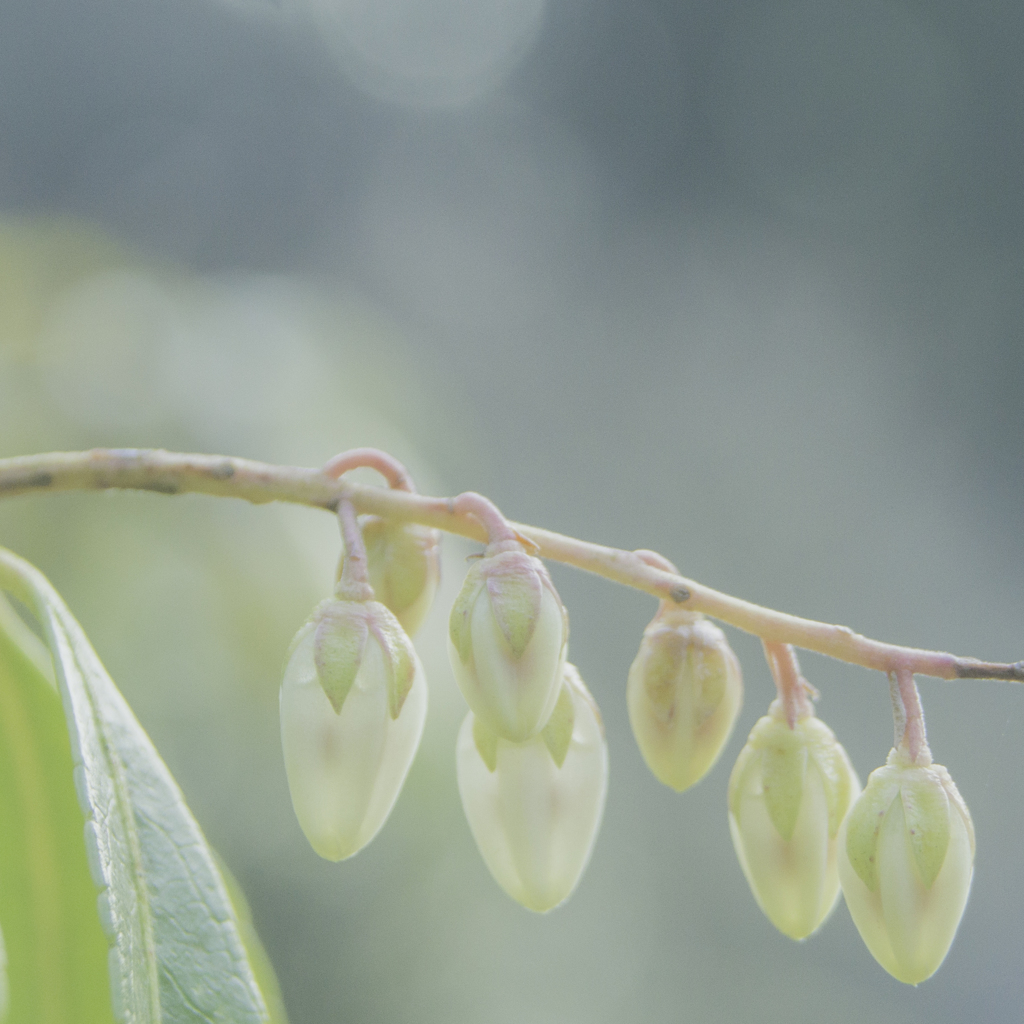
x=354 y=584
x=260 y=482
x=794 y=690
x=387 y=465
x=499 y=530
x=908 y=718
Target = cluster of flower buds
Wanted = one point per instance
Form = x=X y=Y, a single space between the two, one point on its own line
x=354 y=695
x=532 y=760
x=902 y=851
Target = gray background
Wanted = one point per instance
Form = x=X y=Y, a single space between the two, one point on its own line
x=740 y=282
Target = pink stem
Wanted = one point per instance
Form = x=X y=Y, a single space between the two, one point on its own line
x=908 y=718
x=483 y=509
x=388 y=466
x=260 y=482
x=354 y=584
x=658 y=561
x=794 y=690
x=655 y=560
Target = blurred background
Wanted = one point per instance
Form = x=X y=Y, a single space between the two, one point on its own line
x=741 y=282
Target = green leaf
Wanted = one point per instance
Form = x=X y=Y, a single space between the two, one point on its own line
x=31 y=646
x=261 y=965
x=5 y=1001
x=56 y=953
x=176 y=947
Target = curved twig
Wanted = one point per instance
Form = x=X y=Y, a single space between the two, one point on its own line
x=260 y=482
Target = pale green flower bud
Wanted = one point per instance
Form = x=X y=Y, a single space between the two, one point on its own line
x=353 y=703
x=788 y=795
x=506 y=641
x=534 y=808
x=404 y=566
x=684 y=692
x=906 y=858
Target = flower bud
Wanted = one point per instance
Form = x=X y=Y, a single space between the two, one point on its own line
x=403 y=563
x=906 y=858
x=506 y=641
x=788 y=795
x=684 y=693
x=534 y=807
x=353 y=702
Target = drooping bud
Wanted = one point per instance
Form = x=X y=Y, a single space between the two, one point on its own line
x=906 y=859
x=506 y=641
x=788 y=795
x=353 y=703
x=684 y=692
x=534 y=807
x=404 y=567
